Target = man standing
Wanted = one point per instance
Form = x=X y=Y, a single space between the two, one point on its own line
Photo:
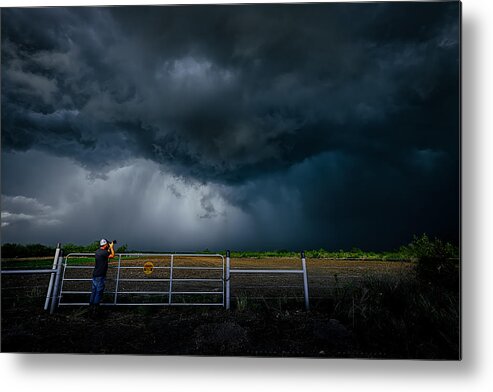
x=103 y=254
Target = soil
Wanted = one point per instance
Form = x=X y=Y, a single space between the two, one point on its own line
x=267 y=316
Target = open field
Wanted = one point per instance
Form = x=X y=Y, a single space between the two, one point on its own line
x=267 y=315
x=323 y=276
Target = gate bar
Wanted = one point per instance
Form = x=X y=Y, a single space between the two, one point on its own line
x=31 y=271
x=170 y=280
x=228 y=299
x=52 y=277
x=265 y=271
x=305 y=280
x=57 y=283
x=117 y=278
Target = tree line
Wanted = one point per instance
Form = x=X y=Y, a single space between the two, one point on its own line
x=421 y=246
x=10 y=250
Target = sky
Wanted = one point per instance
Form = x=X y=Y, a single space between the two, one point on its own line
x=243 y=127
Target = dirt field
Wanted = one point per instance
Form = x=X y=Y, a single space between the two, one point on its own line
x=267 y=316
x=323 y=276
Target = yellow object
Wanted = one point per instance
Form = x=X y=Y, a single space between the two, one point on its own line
x=148 y=268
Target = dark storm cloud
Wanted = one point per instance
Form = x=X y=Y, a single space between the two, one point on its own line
x=222 y=92
x=355 y=106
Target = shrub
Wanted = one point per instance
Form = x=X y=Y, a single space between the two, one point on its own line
x=29 y=250
x=437 y=261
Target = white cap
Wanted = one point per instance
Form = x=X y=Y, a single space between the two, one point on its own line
x=103 y=242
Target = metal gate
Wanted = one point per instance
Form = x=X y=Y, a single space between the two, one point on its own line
x=160 y=279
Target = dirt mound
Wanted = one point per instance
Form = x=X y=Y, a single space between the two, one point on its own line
x=220 y=338
x=331 y=332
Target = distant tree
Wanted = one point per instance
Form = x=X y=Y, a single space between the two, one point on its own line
x=122 y=249
x=71 y=248
x=423 y=246
x=92 y=247
x=436 y=261
x=10 y=250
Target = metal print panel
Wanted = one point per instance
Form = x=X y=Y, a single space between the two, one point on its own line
x=280 y=179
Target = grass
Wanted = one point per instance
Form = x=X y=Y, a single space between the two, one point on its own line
x=404 y=317
x=398 y=315
x=420 y=246
x=390 y=310
x=241 y=303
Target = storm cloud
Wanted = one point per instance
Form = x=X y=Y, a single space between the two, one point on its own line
x=259 y=126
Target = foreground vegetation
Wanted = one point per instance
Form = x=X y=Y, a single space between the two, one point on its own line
x=413 y=314
x=419 y=247
x=402 y=317
x=379 y=316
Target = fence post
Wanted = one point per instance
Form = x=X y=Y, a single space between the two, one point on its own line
x=52 y=276
x=57 y=284
x=117 y=278
x=170 y=281
x=228 y=255
x=305 y=280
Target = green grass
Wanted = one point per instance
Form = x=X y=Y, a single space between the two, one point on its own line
x=419 y=247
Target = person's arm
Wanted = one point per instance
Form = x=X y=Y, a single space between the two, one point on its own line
x=112 y=251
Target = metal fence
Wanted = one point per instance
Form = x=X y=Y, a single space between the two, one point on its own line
x=205 y=285
x=270 y=271
x=163 y=286
x=54 y=277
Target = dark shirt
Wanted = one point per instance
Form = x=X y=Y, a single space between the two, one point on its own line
x=101 y=263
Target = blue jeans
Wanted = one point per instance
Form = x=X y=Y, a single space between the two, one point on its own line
x=97 y=290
